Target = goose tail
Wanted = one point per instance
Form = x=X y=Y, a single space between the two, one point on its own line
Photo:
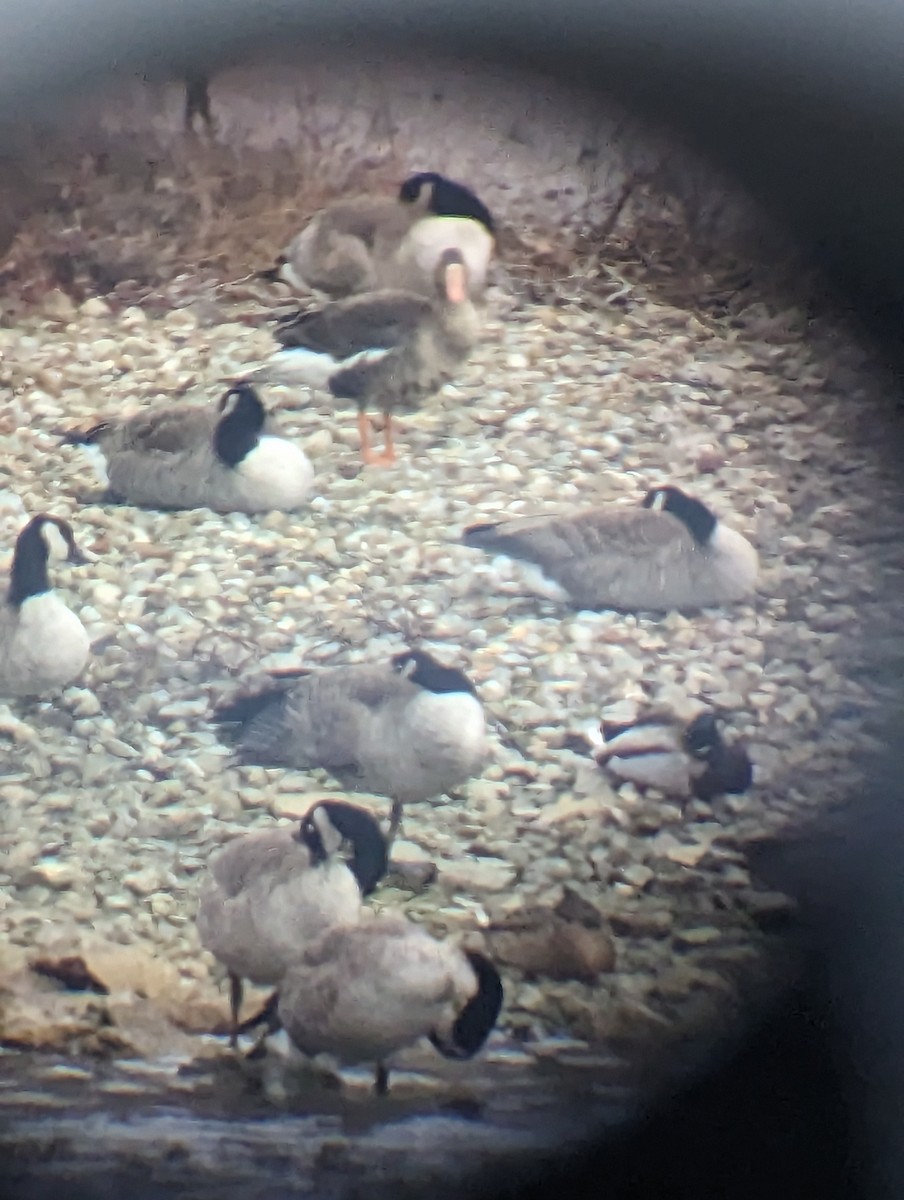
x=274 y=274
x=490 y=537
x=256 y=724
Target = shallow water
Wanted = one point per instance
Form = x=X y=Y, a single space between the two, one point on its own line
x=219 y=1127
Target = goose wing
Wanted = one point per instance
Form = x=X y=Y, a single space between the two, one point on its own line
x=331 y=712
x=551 y=541
x=593 y=551
x=170 y=431
x=246 y=858
x=376 y=321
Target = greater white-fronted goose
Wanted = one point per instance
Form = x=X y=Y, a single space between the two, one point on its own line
x=387 y=349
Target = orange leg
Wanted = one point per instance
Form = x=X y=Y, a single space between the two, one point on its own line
x=364 y=434
x=371 y=457
x=388 y=444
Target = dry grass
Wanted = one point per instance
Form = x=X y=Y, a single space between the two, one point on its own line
x=126 y=221
x=139 y=223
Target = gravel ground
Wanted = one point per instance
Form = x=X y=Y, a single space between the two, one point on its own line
x=116 y=792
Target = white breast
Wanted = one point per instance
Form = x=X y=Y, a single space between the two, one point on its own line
x=736 y=561
x=447 y=727
x=426 y=241
x=276 y=474
x=48 y=648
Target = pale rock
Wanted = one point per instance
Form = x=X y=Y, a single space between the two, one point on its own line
x=95 y=307
x=143 y=883
x=319 y=443
x=53 y=874
x=475 y=874
x=638 y=875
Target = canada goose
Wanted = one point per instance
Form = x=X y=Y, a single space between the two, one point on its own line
x=364 y=991
x=408 y=729
x=271 y=892
x=43 y=644
x=446 y=198
x=219 y=457
x=670 y=552
x=364 y=244
x=391 y=349
x=681 y=761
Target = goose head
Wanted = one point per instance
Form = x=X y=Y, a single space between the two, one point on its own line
x=728 y=768
x=42 y=537
x=239 y=428
x=451 y=277
x=474 y=1022
x=699 y=521
x=702 y=738
x=445 y=198
x=424 y=671
x=330 y=823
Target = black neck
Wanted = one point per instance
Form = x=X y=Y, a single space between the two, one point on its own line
x=28 y=576
x=369 y=860
x=239 y=429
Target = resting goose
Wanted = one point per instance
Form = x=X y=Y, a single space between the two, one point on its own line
x=389 y=349
x=679 y=760
x=669 y=553
x=364 y=244
x=219 y=457
x=363 y=992
x=408 y=729
x=272 y=892
x=43 y=644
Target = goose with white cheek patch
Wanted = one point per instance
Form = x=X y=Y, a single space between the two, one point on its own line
x=671 y=552
x=680 y=760
x=220 y=458
x=271 y=893
x=368 y=243
x=409 y=728
x=363 y=992
x=387 y=349
x=43 y=644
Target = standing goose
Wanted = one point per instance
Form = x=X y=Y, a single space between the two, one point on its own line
x=218 y=457
x=668 y=553
x=270 y=893
x=389 y=349
x=681 y=761
x=408 y=729
x=365 y=991
x=364 y=244
x=43 y=644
